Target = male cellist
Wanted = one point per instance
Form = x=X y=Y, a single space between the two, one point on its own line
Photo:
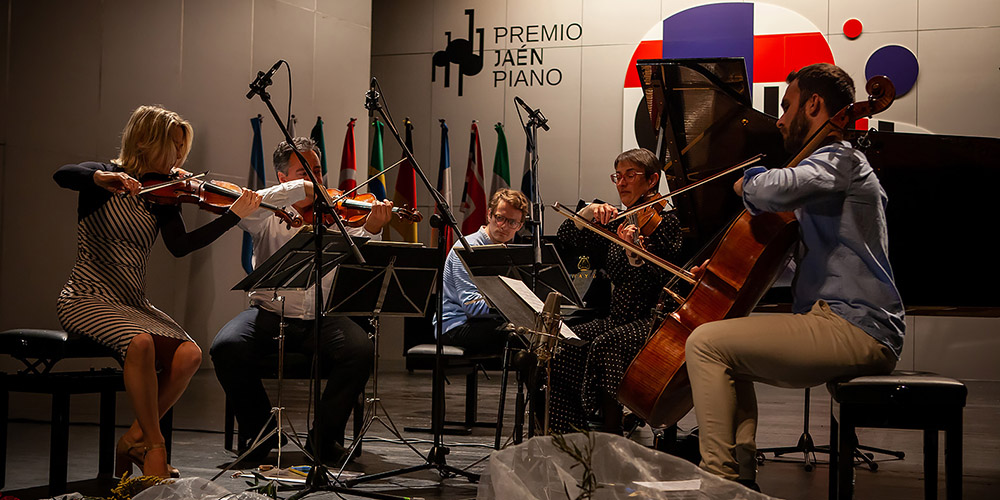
x=848 y=315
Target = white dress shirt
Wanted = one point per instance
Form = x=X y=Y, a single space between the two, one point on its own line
x=269 y=234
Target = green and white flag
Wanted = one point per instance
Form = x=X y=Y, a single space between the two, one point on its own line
x=501 y=163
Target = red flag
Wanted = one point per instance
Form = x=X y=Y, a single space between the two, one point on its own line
x=348 y=160
x=474 y=194
x=406 y=191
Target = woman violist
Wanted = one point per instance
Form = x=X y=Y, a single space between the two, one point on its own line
x=618 y=337
x=104 y=297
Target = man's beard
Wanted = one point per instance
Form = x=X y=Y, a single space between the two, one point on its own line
x=797 y=131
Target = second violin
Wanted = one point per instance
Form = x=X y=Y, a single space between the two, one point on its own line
x=354 y=210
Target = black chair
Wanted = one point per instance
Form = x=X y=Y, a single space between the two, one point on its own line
x=456 y=362
x=39 y=351
x=900 y=400
x=297 y=366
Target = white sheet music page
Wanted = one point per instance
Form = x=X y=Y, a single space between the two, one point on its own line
x=537 y=305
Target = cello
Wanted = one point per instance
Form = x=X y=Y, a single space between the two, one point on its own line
x=747 y=260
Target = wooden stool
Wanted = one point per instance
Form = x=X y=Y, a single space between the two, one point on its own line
x=900 y=400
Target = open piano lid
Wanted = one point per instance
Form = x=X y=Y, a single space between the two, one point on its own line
x=940 y=187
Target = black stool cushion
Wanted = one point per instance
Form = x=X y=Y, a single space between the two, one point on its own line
x=49 y=344
x=900 y=388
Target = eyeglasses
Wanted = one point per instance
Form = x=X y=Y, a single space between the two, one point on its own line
x=629 y=175
x=504 y=221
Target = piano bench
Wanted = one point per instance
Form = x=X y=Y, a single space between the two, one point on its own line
x=900 y=400
x=39 y=351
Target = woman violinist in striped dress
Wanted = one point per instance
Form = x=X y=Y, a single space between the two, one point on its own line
x=104 y=297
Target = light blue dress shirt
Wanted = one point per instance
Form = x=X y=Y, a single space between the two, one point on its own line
x=843 y=257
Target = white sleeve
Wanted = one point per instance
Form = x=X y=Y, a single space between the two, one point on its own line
x=282 y=196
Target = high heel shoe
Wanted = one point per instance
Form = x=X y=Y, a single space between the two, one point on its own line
x=157 y=446
x=128 y=453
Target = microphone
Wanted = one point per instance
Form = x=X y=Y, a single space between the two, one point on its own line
x=371 y=99
x=263 y=79
x=536 y=114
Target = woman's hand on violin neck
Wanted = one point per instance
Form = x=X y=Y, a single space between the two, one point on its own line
x=246 y=204
x=627 y=232
x=380 y=214
x=117 y=182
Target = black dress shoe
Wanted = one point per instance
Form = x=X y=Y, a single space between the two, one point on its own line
x=333 y=454
x=749 y=483
x=261 y=452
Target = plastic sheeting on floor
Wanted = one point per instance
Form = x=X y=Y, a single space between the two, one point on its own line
x=194 y=488
x=537 y=469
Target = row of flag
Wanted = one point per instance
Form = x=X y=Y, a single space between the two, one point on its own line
x=474 y=197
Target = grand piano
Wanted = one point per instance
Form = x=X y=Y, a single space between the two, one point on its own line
x=940 y=187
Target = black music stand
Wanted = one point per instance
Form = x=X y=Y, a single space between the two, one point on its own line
x=518 y=262
x=396 y=280
x=292 y=267
x=521 y=312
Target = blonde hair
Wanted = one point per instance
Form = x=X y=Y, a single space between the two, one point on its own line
x=146 y=140
x=515 y=199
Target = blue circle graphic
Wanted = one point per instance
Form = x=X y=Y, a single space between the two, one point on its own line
x=897 y=63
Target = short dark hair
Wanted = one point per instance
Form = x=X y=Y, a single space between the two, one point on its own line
x=284 y=151
x=830 y=82
x=643 y=158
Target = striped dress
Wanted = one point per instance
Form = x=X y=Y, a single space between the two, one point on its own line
x=104 y=297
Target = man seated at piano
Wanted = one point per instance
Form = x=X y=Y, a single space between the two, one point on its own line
x=585 y=379
x=346 y=350
x=848 y=315
x=468 y=321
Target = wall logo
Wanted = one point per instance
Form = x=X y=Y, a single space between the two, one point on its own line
x=772 y=40
x=460 y=51
x=520 y=65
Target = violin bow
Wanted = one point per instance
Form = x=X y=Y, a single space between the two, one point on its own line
x=678 y=271
x=178 y=180
x=659 y=198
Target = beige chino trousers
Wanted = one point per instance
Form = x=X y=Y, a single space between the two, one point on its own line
x=725 y=358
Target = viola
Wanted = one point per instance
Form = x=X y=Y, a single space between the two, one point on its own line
x=214 y=196
x=354 y=210
x=648 y=218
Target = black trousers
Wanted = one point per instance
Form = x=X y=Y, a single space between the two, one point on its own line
x=479 y=336
x=346 y=356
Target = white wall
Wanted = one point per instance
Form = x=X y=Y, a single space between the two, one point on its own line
x=957 y=92
x=78 y=68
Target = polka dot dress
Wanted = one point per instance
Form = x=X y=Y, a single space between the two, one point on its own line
x=580 y=373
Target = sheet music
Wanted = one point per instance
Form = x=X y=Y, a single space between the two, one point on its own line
x=536 y=304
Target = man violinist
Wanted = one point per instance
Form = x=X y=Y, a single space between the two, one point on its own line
x=345 y=349
x=848 y=315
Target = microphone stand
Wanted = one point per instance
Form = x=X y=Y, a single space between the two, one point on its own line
x=319 y=477
x=536 y=120
x=435 y=458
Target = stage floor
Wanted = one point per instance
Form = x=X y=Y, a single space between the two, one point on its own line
x=198 y=441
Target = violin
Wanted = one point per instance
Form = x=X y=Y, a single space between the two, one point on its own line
x=214 y=196
x=648 y=218
x=354 y=210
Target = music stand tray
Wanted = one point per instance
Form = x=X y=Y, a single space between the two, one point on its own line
x=291 y=267
x=396 y=281
x=517 y=261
